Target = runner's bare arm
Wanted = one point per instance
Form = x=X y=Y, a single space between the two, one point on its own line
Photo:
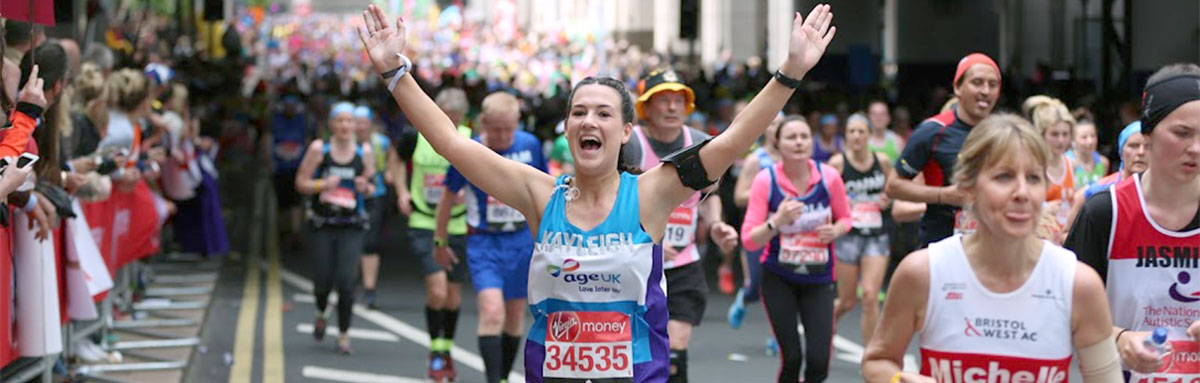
x=1091 y=328
x=741 y=189
x=509 y=181
x=838 y=162
x=305 y=184
x=903 y=315
x=663 y=190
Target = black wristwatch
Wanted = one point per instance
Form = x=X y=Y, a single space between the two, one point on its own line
x=785 y=80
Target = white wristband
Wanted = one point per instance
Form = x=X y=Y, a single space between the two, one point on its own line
x=403 y=70
x=32 y=203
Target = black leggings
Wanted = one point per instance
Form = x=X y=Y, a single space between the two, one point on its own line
x=334 y=251
x=814 y=303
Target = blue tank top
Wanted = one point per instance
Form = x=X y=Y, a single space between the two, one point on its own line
x=796 y=254
x=764 y=158
x=486 y=214
x=598 y=297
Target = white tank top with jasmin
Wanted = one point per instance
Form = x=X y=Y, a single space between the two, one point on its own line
x=972 y=334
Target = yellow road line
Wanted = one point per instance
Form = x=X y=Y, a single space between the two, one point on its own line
x=273 y=366
x=247 y=324
x=243 y=350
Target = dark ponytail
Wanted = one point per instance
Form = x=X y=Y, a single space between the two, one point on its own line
x=626 y=113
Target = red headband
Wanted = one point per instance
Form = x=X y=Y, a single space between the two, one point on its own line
x=970 y=60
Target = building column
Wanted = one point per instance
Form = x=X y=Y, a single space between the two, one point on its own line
x=779 y=26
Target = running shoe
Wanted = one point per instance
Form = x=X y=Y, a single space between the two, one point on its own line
x=437 y=367
x=725 y=276
x=448 y=372
x=772 y=347
x=319 y=328
x=369 y=298
x=737 y=310
x=343 y=345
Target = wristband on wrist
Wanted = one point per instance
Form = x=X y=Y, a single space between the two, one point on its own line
x=398 y=72
x=785 y=80
x=320 y=185
x=31 y=203
x=440 y=242
x=771 y=226
x=896 y=377
x=1118 y=338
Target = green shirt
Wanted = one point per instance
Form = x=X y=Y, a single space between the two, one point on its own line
x=889 y=146
x=561 y=151
x=425 y=185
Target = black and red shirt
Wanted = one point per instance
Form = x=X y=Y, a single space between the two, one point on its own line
x=932 y=149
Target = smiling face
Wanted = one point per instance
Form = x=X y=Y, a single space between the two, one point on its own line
x=1175 y=145
x=597 y=126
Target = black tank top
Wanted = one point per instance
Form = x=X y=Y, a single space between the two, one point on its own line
x=342 y=205
x=864 y=189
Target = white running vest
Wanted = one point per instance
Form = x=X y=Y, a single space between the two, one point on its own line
x=972 y=334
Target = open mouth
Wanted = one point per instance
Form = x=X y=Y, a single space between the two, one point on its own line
x=590 y=143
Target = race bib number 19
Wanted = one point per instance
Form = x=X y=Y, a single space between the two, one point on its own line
x=583 y=345
x=681 y=227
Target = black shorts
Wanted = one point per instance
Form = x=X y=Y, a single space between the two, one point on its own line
x=687 y=293
x=285 y=189
x=373 y=240
x=420 y=244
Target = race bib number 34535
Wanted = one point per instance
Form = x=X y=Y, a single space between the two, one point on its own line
x=586 y=346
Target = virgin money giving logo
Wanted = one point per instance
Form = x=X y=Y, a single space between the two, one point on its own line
x=1182 y=279
x=564 y=326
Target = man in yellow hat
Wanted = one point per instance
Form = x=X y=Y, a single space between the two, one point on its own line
x=663 y=106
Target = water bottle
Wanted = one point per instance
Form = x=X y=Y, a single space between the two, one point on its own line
x=1157 y=342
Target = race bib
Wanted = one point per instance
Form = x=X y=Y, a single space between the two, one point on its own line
x=432 y=188
x=681 y=227
x=340 y=197
x=802 y=249
x=586 y=345
x=1181 y=365
x=963 y=223
x=866 y=215
x=500 y=214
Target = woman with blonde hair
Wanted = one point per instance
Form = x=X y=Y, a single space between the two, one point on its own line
x=1053 y=120
x=959 y=293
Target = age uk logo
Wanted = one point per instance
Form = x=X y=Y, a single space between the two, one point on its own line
x=568 y=265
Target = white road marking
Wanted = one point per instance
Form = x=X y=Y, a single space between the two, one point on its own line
x=462 y=356
x=355 y=333
x=314 y=372
x=849 y=351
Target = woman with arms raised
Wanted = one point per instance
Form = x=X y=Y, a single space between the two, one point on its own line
x=596 y=279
